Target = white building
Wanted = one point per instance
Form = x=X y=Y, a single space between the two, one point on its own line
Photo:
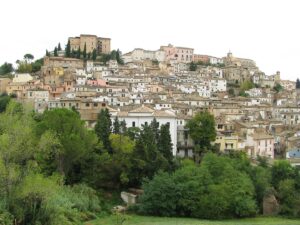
x=217 y=85
x=139 y=54
x=22 y=78
x=144 y=115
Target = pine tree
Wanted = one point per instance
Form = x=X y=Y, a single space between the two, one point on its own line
x=116 y=126
x=94 y=55
x=165 y=145
x=58 y=47
x=68 y=49
x=47 y=53
x=84 y=51
x=103 y=128
x=55 y=51
x=297 y=83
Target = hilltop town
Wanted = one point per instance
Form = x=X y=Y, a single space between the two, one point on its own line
x=254 y=112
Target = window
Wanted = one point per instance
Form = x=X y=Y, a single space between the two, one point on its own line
x=133 y=124
x=103 y=104
x=87 y=104
x=95 y=104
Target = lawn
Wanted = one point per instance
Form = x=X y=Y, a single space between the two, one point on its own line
x=147 y=220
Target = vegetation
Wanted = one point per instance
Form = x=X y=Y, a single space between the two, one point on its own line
x=277 y=88
x=56 y=170
x=6 y=68
x=150 y=220
x=297 y=83
x=27 y=65
x=202 y=131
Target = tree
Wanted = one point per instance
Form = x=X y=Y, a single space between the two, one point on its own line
x=116 y=126
x=84 y=51
x=154 y=125
x=119 y=58
x=94 y=55
x=65 y=143
x=193 y=66
x=202 y=131
x=4 y=100
x=277 y=87
x=165 y=145
x=103 y=128
x=282 y=170
x=68 y=49
x=297 y=83
x=123 y=128
x=6 y=68
x=37 y=64
x=28 y=57
x=55 y=52
x=289 y=198
x=47 y=53
x=246 y=85
x=58 y=47
x=78 y=53
x=147 y=160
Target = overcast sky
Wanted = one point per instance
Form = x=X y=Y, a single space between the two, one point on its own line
x=265 y=31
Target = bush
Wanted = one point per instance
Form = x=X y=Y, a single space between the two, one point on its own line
x=213 y=190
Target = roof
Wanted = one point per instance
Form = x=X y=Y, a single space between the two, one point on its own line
x=142 y=109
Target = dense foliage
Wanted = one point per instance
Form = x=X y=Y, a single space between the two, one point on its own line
x=53 y=168
x=221 y=187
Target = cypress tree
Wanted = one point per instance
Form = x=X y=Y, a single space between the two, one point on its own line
x=116 y=126
x=78 y=53
x=165 y=145
x=103 y=128
x=55 y=51
x=84 y=51
x=94 y=55
x=59 y=47
x=68 y=49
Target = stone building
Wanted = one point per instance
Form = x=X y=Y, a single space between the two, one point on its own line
x=102 y=45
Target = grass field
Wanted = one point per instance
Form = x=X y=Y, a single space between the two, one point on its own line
x=146 y=220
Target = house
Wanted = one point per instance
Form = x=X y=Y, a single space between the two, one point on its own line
x=144 y=115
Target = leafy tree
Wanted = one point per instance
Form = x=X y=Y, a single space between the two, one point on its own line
x=246 y=85
x=116 y=126
x=24 y=67
x=94 y=55
x=6 y=68
x=161 y=196
x=103 y=128
x=282 y=170
x=68 y=49
x=37 y=64
x=65 y=142
x=4 y=100
x=58 y=47
x=202 y=131
x=289 y=198
x=55 y=51
x=84 y=51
